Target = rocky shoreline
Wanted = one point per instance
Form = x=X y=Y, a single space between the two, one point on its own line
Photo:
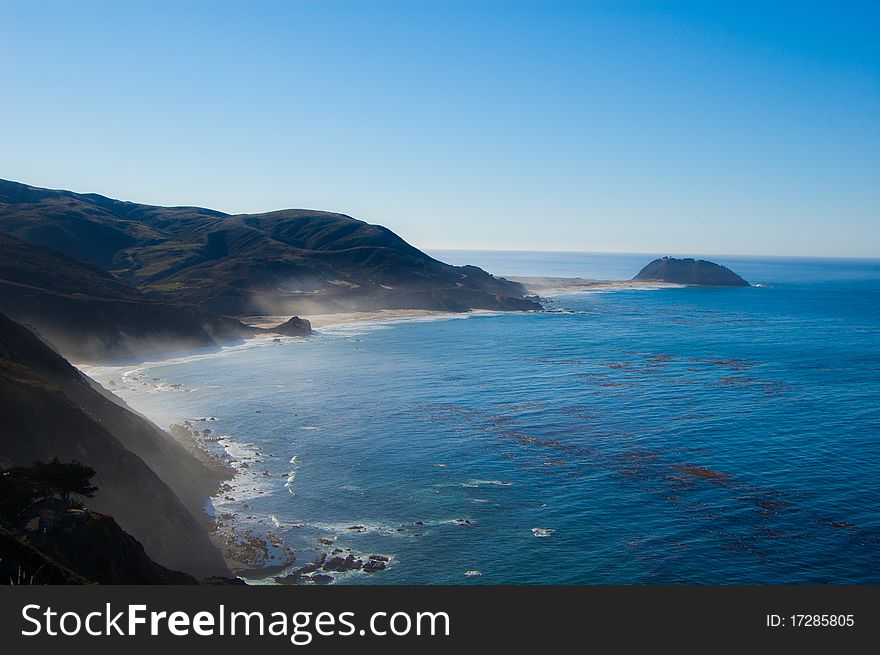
x=260 y=556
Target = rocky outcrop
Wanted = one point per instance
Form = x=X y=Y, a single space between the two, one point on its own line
x=695 y=272
x=294 y=327
x=338 y=561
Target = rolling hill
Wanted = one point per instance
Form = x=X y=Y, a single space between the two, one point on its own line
x=284 y=262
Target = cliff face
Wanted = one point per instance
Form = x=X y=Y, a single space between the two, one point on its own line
x=151 y=484
x=690 y=271
x=285 y=262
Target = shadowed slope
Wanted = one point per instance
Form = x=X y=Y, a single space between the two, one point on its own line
x=90 y=315
x=145 y=478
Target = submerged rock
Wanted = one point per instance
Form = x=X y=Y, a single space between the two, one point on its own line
x=701 y=472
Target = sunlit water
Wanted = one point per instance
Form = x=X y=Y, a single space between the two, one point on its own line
x=676 y=435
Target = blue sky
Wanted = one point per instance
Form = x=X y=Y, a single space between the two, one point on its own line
x=681 y=127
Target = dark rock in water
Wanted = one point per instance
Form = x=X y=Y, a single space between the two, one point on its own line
x=293 y=578
x=380 y=558
x=313 y=566
x=304 y=572
x=320 y=578
x=295 y=327
x=373 y=565
x=690 y=271
x=339 y=564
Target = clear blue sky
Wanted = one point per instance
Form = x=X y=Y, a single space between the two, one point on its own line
x=684 y=127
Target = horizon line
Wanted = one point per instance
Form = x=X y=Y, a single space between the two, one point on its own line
x=648 y=253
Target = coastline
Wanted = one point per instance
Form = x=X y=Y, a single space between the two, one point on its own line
x=536 y=286
x=248 y=544
x=251 y=549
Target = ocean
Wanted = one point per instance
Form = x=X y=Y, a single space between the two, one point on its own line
x=677 y=435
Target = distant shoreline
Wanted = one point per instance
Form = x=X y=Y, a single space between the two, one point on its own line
x=555 y=285
x=538 y=286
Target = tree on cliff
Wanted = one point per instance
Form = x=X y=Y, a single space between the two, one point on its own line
x=63 y=479
x=21 y=487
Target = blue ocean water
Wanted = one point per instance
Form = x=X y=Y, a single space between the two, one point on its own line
x=681 y=435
